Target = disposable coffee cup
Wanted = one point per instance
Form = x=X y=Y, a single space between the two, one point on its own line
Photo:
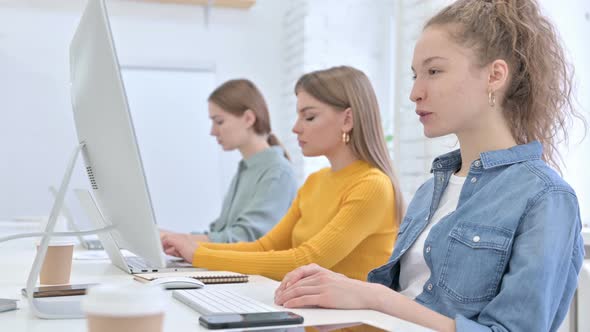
x=57 y=265
x=125 y=308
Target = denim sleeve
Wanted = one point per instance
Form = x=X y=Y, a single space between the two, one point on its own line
x=271 y=198
x=541 y=277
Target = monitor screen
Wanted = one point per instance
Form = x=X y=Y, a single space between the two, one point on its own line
x=104 y=124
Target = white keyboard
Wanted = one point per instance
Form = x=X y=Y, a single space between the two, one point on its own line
x=212 y=301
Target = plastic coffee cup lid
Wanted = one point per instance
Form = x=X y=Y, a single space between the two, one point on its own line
x=129 y=299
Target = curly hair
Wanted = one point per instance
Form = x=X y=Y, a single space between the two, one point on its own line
x=538 y=103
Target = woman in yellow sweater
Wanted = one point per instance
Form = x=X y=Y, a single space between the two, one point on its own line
x=341 y=218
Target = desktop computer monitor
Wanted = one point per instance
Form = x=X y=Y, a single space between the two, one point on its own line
x=104 y=124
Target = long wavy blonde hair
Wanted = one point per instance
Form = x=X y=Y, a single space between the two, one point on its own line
x=346 y=87
x=538 y=103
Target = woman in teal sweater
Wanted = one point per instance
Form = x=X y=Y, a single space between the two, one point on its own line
x=264 y=186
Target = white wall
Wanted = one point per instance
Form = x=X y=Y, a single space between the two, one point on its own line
x=179 y=157
x=37 y=127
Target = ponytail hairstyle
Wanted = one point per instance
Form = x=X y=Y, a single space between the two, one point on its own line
x=239 y=95
x=538 y=102
x=346 y=87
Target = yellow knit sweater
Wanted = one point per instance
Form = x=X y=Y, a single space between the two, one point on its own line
x=344 y=221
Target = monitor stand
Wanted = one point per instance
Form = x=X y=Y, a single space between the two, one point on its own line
x=59 y=307
x=46 y=309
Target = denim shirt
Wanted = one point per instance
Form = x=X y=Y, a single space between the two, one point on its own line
x=508 y=258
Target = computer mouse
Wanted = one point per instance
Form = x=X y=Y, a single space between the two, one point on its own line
x=177 y=282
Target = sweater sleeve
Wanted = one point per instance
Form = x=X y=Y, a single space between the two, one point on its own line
x=269 y=201
x=360 y=214
x=278 y=238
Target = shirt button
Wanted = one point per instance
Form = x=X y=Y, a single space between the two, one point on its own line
x=477 y=163
x=426 y=218
x=473 y=179
x=476 y=238
x=428 y=249
x=429 y=287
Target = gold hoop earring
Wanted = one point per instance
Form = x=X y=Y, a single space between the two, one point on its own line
x=345 y=137
x=492 y=99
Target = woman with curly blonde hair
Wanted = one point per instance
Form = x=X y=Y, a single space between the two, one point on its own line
x=492 y=242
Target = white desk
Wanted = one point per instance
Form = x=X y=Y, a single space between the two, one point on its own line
x=16 y=258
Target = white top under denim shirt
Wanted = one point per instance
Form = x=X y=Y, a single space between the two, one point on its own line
x=258 y=197
x=508 y=257
x=413 y=269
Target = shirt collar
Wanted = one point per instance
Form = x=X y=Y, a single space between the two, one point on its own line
x=262 y=157
x=519 y=153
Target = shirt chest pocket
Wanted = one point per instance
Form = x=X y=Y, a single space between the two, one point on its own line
x=475 y=262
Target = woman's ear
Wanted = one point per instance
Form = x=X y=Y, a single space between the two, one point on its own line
x=498 y=75
x=249 y=118
x=348 y=122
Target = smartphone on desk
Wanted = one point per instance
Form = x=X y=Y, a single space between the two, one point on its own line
x=227 y=321
x=58 y=290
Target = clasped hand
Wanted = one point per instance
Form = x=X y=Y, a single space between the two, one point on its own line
x=315 y=286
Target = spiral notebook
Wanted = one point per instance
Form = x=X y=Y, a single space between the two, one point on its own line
x=206 y=277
